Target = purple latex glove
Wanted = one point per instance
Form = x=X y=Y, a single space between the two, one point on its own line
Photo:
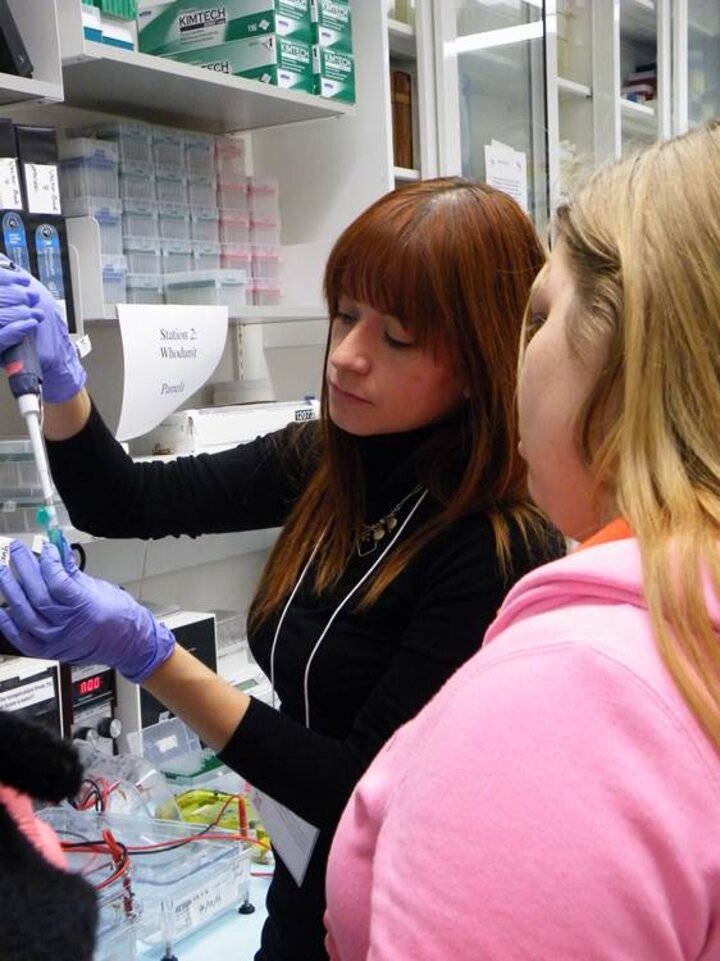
x=57 y=612
x=26 y=307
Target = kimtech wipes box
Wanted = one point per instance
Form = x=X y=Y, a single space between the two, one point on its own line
x=332 y=24
x=334 y=74
x=171 y=28
x=270 y=59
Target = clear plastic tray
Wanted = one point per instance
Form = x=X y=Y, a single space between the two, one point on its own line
x=137 y=181
x=174 y=221
x=19 y=515
x=142 y=255
x=204 y=223
x=88 y=148
x=140 y=218
x=229 y=158
x=168 y=146
x=200 y=151
x=206 y=256
x=264 y=293
x=177 y=256
x=213 y=287
x=145 y=288
x=202 y=190
x=264 y=231
x=108 y=215
x=266 y=263
x=236 y=257
x=234 y=229
x=170 y=185
x=83 y=177
x=196 y=882
x=263 y=196
x=232 y=197
x=114 y=274
x=133 y=139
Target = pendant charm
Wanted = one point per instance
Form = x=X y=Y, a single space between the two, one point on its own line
x=378 y=532
x=391 y=523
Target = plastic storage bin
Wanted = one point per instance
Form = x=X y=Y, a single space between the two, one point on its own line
x=263 y=197
x=196 y=882
x=133 y=139
x=108 y=214
x=174 y=221
x=264 y=293
x=114 y=273
x=176 y=256
x=200 y=152
x=137 y=180
x=140 y=218
x=88 y=177
x=168 y=146
x=19 y=515
x=264 y=231
x=236 y=257
x=266 y=263
x=201 y=188
x=229 y=158
x=232 y=196
x=206 y=256
x=204 y=224
x=170 y=184
x=18 y=473
x=145 y=288
x=142 y=255
x=223 y=287
x=234 y=229
x=87 y=148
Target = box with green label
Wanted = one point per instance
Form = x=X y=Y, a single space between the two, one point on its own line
x=168 y=28
x=332 y=24
x=270 y=59
x=334 y=74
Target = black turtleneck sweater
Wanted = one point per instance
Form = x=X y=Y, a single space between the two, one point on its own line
x=375 y=668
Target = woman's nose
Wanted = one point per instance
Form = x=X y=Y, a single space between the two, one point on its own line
x=353 y=352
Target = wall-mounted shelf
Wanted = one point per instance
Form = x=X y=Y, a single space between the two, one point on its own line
x=100 y=77
x=402 y=40
x=43 y=47
x=22 y=89
x=405 y=174
x=570 y=89
x=638 y=118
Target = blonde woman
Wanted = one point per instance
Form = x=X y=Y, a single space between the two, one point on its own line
x=577 y=815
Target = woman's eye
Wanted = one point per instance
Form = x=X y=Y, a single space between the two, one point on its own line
x=533 y=325
x=344 y=318
x=396 y=342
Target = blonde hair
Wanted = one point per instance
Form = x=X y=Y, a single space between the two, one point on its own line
x=642 y=241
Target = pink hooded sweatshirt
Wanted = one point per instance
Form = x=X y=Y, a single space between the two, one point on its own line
x=556 y=801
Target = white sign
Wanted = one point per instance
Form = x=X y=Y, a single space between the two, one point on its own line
x=43 y=188
x=10 y=196
x=27 y=694
x=293 y=838
x=506 y=169
x=168 y=354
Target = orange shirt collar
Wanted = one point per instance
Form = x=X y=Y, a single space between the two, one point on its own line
x=617 y=530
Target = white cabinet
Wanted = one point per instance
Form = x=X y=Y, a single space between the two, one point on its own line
x=570 y=83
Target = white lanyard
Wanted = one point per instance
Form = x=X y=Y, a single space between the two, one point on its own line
x=337 y=610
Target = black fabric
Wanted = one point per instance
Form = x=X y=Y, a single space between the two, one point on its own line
x=375 y=669
x=47 y=914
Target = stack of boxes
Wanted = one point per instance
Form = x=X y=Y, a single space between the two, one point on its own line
x=301 y=45
x=266 y=40
x=333 y=60
x=180 y=222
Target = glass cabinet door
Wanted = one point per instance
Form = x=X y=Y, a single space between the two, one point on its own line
x=492 y=57
x=644 y=69
x=697 y=62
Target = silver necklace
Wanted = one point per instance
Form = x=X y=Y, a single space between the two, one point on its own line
x=372 y=534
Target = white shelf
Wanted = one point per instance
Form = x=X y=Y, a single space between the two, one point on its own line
x=21 y=89
x=279 y=315
x=638 y=22
x=405 y=174
x=638 y=118
x=138 y=85
x=571 y=89
x=402 y=40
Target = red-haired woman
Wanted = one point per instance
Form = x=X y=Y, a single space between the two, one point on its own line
x=404 y=513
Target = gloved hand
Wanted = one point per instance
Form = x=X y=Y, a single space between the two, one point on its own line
x=62 y=614
x=26 y=307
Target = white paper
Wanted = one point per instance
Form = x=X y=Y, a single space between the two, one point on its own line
x=27 y=694
x=168 y=354
x=506 y=169
x=10 y=196
x=292 y=837
x=43 y=188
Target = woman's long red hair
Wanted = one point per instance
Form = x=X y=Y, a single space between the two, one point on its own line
x=453 y=260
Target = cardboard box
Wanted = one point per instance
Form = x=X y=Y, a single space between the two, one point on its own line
x=334 y=74
x=167 y=29
x=332 y=24
x=270 y=59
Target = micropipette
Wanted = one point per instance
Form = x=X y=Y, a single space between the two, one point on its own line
x=23 y=369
